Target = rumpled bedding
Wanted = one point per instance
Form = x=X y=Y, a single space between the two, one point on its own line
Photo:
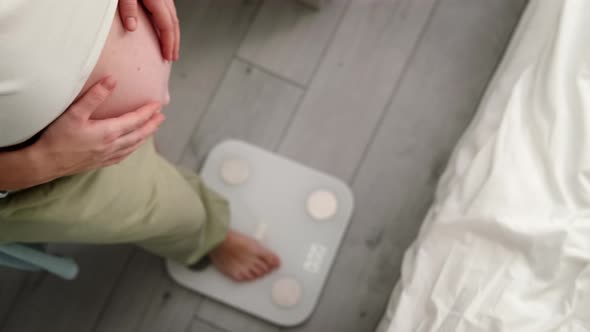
x=506 y=244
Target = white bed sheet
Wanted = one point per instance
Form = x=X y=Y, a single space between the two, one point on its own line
x=506 y=244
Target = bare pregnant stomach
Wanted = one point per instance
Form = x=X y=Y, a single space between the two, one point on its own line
x=135 y=60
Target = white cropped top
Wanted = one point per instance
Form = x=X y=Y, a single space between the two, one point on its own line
x=47 y=51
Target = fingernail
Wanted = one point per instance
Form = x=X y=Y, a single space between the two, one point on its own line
x=131 y=23
x=109 y=82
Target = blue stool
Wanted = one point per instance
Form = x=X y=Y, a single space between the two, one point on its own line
x=32 y=257
x=29 y=258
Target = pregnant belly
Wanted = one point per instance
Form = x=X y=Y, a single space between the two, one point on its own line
x=135 y=60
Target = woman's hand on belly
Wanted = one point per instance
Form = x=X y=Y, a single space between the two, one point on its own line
x=75 y=143
x=164 y=18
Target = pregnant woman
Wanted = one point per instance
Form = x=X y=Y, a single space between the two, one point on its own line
x=80 y=98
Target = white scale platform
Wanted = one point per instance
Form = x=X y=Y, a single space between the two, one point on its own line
x=298 y=212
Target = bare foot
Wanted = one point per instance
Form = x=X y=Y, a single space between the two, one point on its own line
x=242 y=258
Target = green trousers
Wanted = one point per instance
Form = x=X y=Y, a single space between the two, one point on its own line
x=143 y=200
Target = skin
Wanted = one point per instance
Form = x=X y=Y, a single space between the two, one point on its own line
x=135 y=60
x=164 y=18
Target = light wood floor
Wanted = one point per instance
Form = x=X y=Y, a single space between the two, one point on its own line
x=376 y=92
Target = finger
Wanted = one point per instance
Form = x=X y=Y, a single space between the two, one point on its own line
x=93 y=98
x=112 y=162
x=128 y=13
x=177 y=45
x=165 y=25
x=123 y=154
x=115 y=128
x=174 y=16
x=147 y=130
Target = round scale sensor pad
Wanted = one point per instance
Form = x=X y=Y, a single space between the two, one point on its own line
x=286 y=292
x=235 y=171
x=322 y=204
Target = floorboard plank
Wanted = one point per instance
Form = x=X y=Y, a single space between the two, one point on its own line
x=11 y=282
x=47 y=302
x=212 y=31
x=289 y=38
x=233 y=320
x=172 y=310
x=354 y=82
x=200 y=326
x=250 y=105
x=140 y=283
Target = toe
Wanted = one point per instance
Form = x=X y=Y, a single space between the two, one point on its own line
x=249 y=275
x=266 y=257
x=256 y=272
x=241 y=276
x=276 y=261
x=261 y=268
x=271 y=259
x=236 y=276
x=232 y=268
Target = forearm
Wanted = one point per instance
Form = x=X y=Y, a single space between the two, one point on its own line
x=22 y=169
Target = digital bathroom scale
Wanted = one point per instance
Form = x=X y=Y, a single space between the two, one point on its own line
x=299 y=213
